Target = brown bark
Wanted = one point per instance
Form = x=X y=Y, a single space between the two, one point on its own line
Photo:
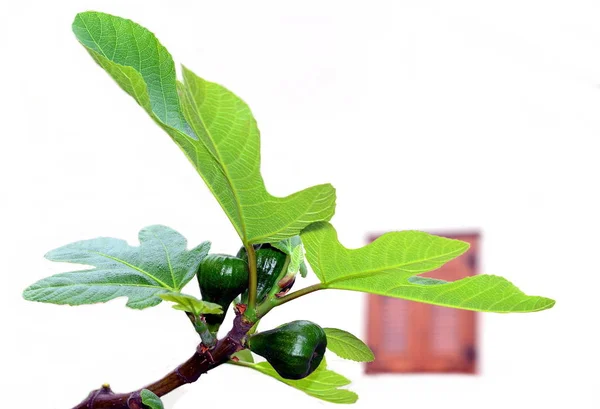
x=202 y=361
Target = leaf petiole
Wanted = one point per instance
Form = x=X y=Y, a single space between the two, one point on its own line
x=252 y=278
x=241 y=363
x=201 y=328
x=263 y=309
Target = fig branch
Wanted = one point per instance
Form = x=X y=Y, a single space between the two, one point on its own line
x=203 y=360
x=222 y=278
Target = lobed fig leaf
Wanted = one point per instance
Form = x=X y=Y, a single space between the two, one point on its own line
x=389 y=266
x=161 y=264
x=213 y=127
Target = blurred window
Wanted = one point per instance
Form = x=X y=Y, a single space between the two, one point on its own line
x=407 y=336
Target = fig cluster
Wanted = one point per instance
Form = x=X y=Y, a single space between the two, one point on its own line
x=294 y=349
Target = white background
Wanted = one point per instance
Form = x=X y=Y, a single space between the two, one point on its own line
x=432 y=115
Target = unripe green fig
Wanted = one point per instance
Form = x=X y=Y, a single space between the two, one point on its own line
x=222 y=278
x=294 y=349
x=270 y=263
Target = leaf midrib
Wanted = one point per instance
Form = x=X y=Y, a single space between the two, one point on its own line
x=168 y=258
x=347 y=344
x=244 y=235
x=333 y=386
x=93 y=39
x=383 y=269
x=98 y=284
x=147 y=274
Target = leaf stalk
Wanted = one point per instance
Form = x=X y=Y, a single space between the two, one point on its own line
x=264 y=308
x=201 y=328
x=252 y=278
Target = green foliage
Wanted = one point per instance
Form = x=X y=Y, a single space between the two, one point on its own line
x=323 y=383
x=150 y=400
x=159 y=265
x=347 y=346
x=294 y=249
x=213 y=127
x=387 y=265
x=191 y=304
x=218 y=134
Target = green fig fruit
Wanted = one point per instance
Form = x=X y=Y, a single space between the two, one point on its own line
x=222 y=278
x=270 y=263
x=294 y=349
